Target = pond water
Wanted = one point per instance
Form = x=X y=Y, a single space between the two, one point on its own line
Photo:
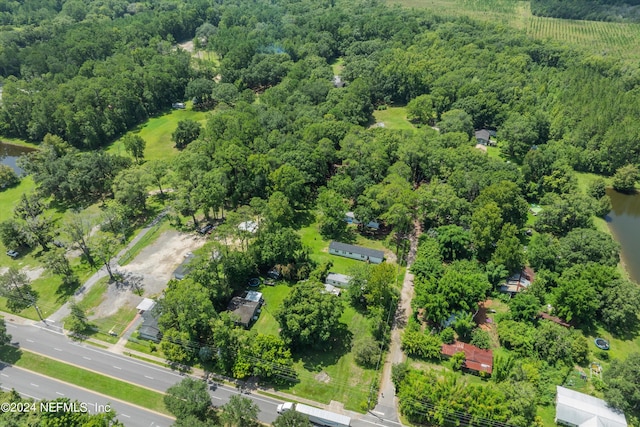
x=624 y=222
x=9 y=155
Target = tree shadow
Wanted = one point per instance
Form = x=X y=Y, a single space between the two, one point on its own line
x=68 y=288
x=303 y=218
x=339 y=345
x=9 y=354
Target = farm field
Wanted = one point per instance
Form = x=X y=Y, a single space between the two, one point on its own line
x=610 y=39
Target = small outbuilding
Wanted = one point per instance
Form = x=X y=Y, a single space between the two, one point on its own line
x=577 y=409
x=145 y=305
x=149 y=329
x=183 y=269
x=337 y=279
x=248 y=226
x=483 y=136
x=518 y=282
x=360 y=253
x=330 y=289
x=350 y=218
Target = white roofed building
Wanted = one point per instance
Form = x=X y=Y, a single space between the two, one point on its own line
x=577 y=409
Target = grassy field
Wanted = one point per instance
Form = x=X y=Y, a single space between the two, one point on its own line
x=83 y=378
x=273 y=296
x=611 y=39
x=157 y=134
x=334 y=375
x=393 y=118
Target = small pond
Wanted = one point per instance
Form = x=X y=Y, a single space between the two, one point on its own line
x=9 y=155
x=624 y=222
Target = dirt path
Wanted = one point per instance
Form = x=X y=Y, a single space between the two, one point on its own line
x=386 y=406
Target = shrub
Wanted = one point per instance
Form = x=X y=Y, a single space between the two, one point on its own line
x=448 y=336
x=366 y=351
x=481 y=339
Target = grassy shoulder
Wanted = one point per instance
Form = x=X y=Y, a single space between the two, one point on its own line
x=80 y=377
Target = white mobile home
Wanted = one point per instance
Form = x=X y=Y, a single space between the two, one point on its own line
x=337 y=279
x=356 y=252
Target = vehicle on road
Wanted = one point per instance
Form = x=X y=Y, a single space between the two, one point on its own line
x=316 y=416
x=13 y=254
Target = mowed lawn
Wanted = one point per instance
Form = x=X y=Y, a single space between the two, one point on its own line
x=157 y=134
x=393 y=118
x=326 y=375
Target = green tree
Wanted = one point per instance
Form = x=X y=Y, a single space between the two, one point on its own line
x=309 y=317
x=518 y=133
x=186 y=132
x=278 y=211
x=583 y=245
x=130 y=190
x=200 y=91
x=623 y=383
x=189 y=397
x=456 y=121
x=78 y=229
x=5 y=338
x=524 y=307
x=454 y=241
x=240 y=411
x=486 y=227
x=509 y=251
x=332 y=209
x=576 y=300
x=77 y=323
x=366 y=351
x=419 y=344
x=291 y=182
x=619 y=309
x=507 y=195
x=106 y=247
x=8 y=177
x=135 y=145
x=292 y=419
x=157 y=171
x=481 y=338
x=597 y=188
x=564 y=214
x=16 y=288
x=421 y=109
x=543 y=252
x=625 y=179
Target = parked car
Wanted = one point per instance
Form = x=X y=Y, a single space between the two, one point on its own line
x=207 y=229
x=13 y=254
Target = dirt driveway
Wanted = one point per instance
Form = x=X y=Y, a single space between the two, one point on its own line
x=154 y=265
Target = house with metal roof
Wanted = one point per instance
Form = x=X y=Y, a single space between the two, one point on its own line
x=476 y=359
x=356 y=252
x=577 y=409
x=337 y=279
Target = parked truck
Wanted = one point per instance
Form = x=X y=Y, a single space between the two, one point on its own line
x=316 y=416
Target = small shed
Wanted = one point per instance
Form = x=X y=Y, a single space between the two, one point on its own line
x=360 y=253
x=350 y=218
x=518 y=282
x=337 y=279
x=330 y=289
x=254 y=296
x=248 y=226
x=145 y=305
x=183 y=269
x=578 y=409
x=178 y=106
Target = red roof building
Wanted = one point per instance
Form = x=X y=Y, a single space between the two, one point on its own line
x=476 y=359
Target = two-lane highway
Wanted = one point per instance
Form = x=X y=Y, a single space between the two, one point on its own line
x=53 y=344
x=37 y=386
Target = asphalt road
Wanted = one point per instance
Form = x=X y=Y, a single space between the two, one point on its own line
x=55 y=345
x=37 y=386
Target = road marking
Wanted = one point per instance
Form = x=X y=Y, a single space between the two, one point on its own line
x=125 y=415
x=35 y=385
x=5 y=375
x=117 y=367
x=147 y=376
x=85 y=357
x=28 y=340
x=21 y=393
x=57 y=349
x=378 y=412
x=60 y=394
x=216 y=397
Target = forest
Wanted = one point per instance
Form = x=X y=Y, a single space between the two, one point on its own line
x=282 y=143
x=588 y=10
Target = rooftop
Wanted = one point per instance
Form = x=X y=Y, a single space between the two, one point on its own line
x=243 y=309
x=339 y=246
x=476 y=359
x=337 y=277
x=582 y=410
